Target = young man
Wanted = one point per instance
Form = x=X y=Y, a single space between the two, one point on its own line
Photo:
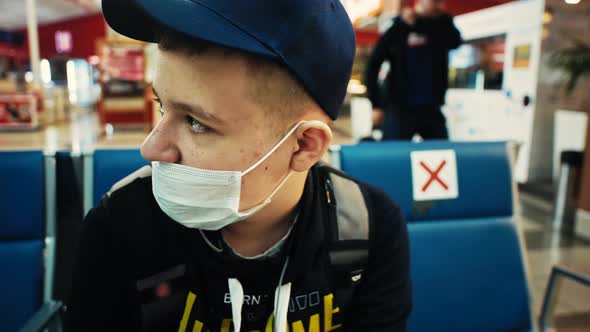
x=236 y=226
x=417 y=47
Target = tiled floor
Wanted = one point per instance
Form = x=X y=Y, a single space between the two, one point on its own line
x=545 y=247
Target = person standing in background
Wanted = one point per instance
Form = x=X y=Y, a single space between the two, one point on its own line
x=417 y=47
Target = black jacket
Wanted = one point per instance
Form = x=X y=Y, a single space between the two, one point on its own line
x=442 y=36
x=128 y=246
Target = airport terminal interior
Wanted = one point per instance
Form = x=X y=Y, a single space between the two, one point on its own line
x=517 y=112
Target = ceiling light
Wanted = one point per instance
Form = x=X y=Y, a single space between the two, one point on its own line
x=572 y=2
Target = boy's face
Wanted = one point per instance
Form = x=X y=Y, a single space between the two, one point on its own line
x=211 y=122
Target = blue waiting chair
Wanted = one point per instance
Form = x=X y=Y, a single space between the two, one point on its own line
x=104 y=168
x=467 y=264
x=27 y=235
x=468 y=275
x=484 y=181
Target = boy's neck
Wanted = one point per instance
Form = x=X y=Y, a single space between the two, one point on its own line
x=261 y=231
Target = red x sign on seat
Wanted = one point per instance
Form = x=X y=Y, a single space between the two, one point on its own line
x=434 y=175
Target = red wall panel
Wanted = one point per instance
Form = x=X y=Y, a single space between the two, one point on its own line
x=85 y=31
x=19 y=53
x=458 y=7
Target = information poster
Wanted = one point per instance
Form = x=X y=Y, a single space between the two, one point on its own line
x=123 y=71
x=123 y=83
x=522 y=56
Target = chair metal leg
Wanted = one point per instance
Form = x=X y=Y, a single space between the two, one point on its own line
x=549 y=301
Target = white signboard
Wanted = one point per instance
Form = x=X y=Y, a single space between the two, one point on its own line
x=361 y=117
x=360 y=8
x=434 y=175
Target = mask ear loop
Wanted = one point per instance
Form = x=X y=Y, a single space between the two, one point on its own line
x=269 y=153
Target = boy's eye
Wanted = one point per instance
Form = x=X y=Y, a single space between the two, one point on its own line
x=195 y=125
x=160 y=109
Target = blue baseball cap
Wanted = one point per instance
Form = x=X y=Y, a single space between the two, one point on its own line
x=314 y=39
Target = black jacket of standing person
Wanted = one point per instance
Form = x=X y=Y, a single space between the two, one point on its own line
x=441 y=35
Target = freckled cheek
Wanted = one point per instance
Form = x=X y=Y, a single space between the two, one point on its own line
x=247 y=157
x=257 y=154
x=253 y=188
x=245 y=160
x=193 y=154
x=242 y=157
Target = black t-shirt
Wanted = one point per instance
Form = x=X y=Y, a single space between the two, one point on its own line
x=138 y=270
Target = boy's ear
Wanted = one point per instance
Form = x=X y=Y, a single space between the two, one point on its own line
x=313 y=141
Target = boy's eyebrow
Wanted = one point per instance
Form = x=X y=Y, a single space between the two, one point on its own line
x=194 y=109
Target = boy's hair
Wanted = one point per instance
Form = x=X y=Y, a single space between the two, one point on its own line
x=275 y=89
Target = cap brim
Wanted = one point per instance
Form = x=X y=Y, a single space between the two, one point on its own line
x=142 y=19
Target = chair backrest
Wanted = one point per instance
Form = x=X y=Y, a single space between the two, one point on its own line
x=483 y=175
x=468 y=275
x=22 y=204
x=467 y=268
x=104 y=168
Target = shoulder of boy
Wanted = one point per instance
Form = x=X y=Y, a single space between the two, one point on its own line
x=144 y=172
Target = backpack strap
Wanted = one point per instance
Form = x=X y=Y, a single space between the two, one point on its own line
x=144 y=172
x=348 y=230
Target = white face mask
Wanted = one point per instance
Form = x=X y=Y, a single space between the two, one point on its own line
x=206 y=199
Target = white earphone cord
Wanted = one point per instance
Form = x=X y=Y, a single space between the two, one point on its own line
x=277 y=308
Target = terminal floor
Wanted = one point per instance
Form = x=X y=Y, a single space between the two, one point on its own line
x=545 y=247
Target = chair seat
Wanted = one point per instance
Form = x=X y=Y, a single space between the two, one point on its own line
x=468 y=275
x=20 y=282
